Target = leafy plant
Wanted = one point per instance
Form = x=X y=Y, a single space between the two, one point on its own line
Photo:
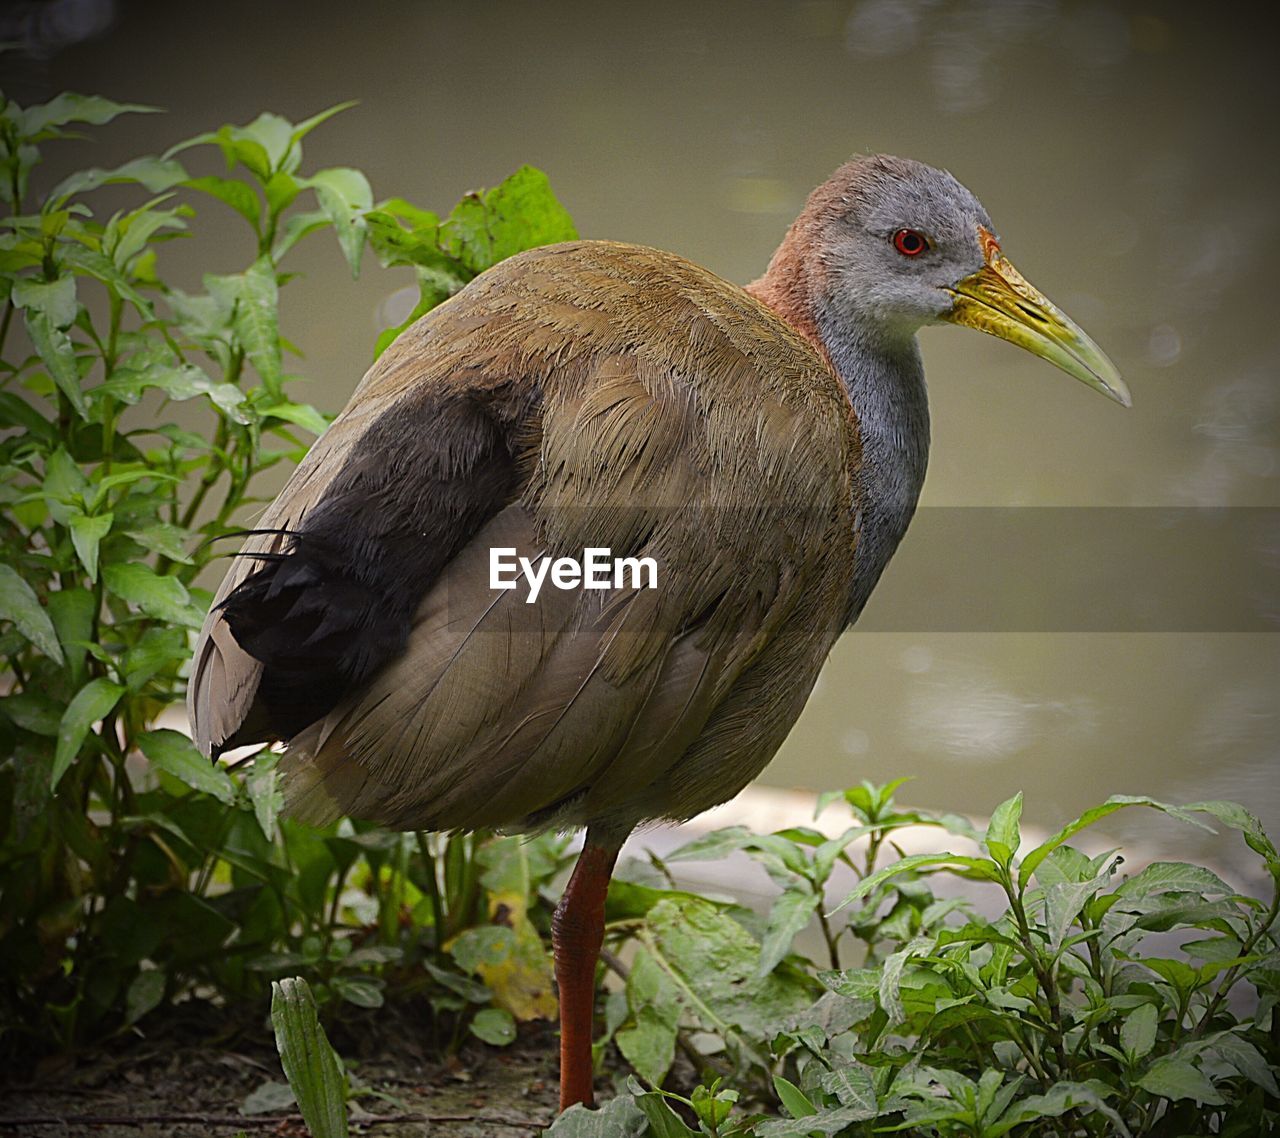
x=135 y=421
x=1091 y=1003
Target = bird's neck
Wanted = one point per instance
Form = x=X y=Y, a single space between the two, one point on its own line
x=884 y=378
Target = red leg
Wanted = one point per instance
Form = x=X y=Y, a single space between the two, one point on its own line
x=577 y=931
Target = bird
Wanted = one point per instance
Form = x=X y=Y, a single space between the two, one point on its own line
x=760 y=450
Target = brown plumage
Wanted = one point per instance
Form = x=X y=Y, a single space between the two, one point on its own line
x=764 y=446
x=588 y=705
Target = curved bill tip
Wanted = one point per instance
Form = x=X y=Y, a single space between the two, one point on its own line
x=998 y=300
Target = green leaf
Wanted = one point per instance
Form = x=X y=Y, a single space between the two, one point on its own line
x=255 y=297
x=827 y=1121
x=789 y=914
x=69 y=107
x=155 y=174
x=712 y=846
x=1056 y=1101
x=32 y=711
x=144 y=994
x=263 y=785
x=792 y=1098
x=175 y=754
x=903 y=865
x=305 y=127
x=496 y=1026
x=167 y=540
x=300 y=414
x=273 y=133
x=1175 y=876
x=520 y=213
x=309 y=1062
x=1088 y=818
x=618 y=1118
x=1138 y=1031
x=281 y=191
x=87 y=532
x=56 y=298
x=58 y=355
x=1003 y=835
x=344 y=196
x=1248 y=1060
x=649 y=1044
x=362 y=991
x=72 y=612
x=238 y=195
x=160 y=596
x=1174 y=1079
x=92 y=702
x=663 y=1122
x=19 y=604
x=1238 y=818
x=296 y=227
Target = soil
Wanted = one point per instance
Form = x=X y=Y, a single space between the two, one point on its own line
x=190 y=1077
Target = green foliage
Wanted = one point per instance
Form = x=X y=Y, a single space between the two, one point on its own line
x=309 y=1061
x=135 y=420
x=1091 y=1003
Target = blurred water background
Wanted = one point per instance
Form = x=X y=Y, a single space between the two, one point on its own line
x=1088 y=602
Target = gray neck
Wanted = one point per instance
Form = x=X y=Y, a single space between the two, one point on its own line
x=885 y=381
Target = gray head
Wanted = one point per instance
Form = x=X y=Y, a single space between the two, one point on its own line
x=887 y=245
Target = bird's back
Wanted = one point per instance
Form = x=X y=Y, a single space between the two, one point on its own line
x=587 y=395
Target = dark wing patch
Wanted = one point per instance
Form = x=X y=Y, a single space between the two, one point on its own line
x=335 y=604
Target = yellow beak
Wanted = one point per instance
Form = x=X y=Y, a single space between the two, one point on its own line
x=997 y=299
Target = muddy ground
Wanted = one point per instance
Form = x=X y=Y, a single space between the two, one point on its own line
x=190 y=1076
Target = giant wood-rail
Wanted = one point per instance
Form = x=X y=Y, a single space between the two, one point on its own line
x=765 y=446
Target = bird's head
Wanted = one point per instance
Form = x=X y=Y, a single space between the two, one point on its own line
x=890 y=244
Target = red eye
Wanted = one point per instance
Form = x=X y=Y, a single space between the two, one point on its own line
x=910 y=242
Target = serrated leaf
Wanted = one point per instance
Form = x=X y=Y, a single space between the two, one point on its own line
x=19 y=604
x=167 y=540
x=175 y=754
x=56 y=298
x=522 y=212
x=155 y=594
x=92 y=702
x=309 y=1062
x=87 y=532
